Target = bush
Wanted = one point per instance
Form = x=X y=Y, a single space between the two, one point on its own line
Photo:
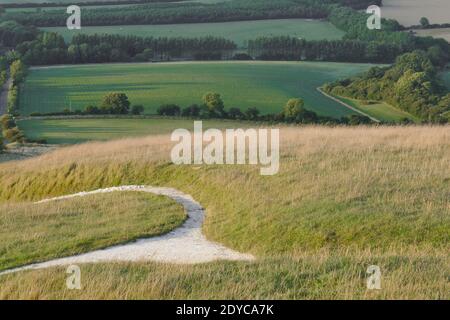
x=116 y=103
x=7 y=122
x=92 y=110
x=14 y=135
x=191 y=111
x=2 y=146
x=169 y=110
x=137 y=109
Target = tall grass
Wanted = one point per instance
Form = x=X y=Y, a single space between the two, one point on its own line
x=349 y=191
x=37 y=232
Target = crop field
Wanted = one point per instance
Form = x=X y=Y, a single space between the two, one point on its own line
x=264 y=85
x=380 y=110
x=238 y=31
x=443 y=33
x=68 y=131
x=409 y=12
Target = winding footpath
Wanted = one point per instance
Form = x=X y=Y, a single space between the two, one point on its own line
x=184 y=245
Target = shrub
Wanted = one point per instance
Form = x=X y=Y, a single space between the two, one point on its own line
x=191 y=111
x=115 y=103
x=235 y=113
x=169 y=110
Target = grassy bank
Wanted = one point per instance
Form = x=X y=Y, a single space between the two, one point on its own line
x=68 y=227
x=345 y=198
x=69 y=131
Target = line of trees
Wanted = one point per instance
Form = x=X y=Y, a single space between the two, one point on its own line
x=293 y=112
x=114 y=103
x=170 y=13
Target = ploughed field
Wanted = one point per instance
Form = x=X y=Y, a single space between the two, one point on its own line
x=264 y=85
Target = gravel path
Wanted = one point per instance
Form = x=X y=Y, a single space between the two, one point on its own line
x=184 y=245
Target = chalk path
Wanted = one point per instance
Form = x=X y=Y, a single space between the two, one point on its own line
x=184 y=245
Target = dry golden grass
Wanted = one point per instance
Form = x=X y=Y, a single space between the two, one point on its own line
x=362 y=194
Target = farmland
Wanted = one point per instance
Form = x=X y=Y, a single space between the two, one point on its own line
x=409 y=12
x=264 y=85
x=380 y=110
x=68 y=131
x=237 y=31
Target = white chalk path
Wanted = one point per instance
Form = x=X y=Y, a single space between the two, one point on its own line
x=184 y=245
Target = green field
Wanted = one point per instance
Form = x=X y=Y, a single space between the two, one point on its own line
x=264 y=85
x=70 y=131
x=238 y=31
x=345 y=198
x=380 y=110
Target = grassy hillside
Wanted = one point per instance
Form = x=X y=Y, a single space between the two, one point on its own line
x=345 y=198
x=380 y=110
x=265 y=85
x=68 y=131
x=239 y=31
x=69 y=227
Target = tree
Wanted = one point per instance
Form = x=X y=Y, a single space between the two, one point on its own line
x=169 y=110
x=251 y=113
x=18 y=71
x=424 y=22
x=91 y=110
x=137 y=109
x=14 y=135
x=214 y=102
x=116 y=103
x=191 y=111
x=235 y=113
x=293 y=108
x=2 y=146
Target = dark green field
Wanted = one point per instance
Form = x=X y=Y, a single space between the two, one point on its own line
x=264 y=85
x=68 y=131
x=237 y=31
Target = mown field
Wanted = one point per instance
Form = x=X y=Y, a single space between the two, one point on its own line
x=238 y=31
x=344 y=199
x=264 y=85
x=69 y=131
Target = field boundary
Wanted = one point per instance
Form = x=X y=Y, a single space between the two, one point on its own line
x=347 y=105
